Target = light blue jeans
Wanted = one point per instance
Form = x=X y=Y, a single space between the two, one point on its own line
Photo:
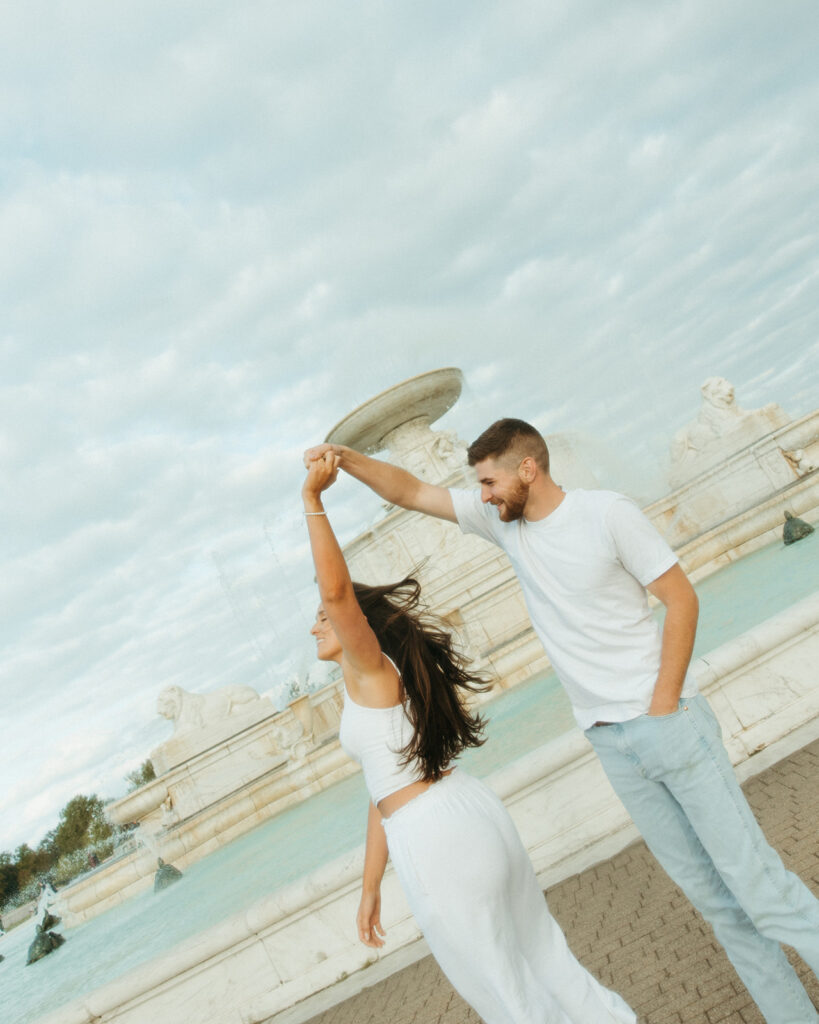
x=676 y=781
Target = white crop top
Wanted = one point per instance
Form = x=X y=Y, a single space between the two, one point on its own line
x=375 y=738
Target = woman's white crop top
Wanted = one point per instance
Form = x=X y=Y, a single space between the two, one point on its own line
x=375 y=738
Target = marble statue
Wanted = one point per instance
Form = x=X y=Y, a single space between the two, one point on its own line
x=169 y=815
x=46 y=897
x=720 y=429
x=795 y=529
x=189 y=711
x=201 y=721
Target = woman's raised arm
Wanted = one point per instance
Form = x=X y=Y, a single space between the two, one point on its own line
x=359 y=644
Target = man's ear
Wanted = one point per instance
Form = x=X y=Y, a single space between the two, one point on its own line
x=527 y=470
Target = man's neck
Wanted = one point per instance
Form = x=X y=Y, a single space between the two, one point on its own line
x=544 y=497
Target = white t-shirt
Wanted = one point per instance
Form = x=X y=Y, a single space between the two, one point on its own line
x=583 y=571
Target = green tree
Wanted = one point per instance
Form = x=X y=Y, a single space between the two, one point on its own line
x=48 y=845
x=82 y=823
x=8 y=877
x=29 y=864
x=138 y=777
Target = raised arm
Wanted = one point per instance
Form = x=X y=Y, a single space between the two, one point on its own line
x=392 y=483
x=361 y=649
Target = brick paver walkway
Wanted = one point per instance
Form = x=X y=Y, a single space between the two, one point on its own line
x=630 y=925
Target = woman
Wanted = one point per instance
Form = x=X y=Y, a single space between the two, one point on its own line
x=460 y=861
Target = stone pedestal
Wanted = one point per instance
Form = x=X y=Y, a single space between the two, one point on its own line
x=777 y=465
x=720 y=429
x=183 y=748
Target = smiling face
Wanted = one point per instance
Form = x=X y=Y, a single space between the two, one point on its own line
x=502 y=487
x=327 y=646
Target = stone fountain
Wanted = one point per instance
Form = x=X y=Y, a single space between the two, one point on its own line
x=732 y=470
x=231 y=763
x=466 y=582
x=733 y=473
x=300 y=939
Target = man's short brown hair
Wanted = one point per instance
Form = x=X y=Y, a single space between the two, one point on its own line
x=509 y=437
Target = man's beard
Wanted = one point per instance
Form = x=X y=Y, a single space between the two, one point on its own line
x=513 y=503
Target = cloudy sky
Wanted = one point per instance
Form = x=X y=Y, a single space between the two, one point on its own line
x=226 y=224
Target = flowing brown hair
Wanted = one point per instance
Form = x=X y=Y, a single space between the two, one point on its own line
x=434 y=676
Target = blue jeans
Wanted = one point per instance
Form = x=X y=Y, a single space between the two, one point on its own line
x=676 y=781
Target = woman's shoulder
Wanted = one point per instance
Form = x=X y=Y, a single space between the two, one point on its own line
x=375 y=689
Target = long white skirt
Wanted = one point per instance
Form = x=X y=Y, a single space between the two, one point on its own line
x=473 y=891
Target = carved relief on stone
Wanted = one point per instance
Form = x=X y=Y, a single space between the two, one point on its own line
x=291 y=738
x=202 y=721
x=430 y=455
x=438 y=547
x=799 y=461
x=449 y=448
x=190 y=711
x=720 y=429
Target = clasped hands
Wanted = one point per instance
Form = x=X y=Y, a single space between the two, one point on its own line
x=322 y=464
x=318 y=451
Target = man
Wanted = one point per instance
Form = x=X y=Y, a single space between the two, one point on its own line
x=584 y=560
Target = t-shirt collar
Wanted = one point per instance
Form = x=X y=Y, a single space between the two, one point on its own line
x=554 y=518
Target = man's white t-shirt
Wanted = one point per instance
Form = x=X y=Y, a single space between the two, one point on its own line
x=583 y=571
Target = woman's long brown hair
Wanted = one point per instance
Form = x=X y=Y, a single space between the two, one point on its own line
x=434 y=675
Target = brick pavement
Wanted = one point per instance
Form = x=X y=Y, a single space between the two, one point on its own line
x=631 y=926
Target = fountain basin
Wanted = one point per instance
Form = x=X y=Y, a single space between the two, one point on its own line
x=300 y=939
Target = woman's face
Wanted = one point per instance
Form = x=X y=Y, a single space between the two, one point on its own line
x=327 y=646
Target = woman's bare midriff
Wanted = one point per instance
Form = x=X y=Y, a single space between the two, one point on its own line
x=390 y=804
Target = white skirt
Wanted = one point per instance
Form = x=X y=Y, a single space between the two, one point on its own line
x=473 y=891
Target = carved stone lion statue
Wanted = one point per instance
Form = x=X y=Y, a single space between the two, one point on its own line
x=720 y=429
x=189 y=711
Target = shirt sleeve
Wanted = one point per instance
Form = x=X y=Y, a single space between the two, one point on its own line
x=472 y=515
x=640 y=547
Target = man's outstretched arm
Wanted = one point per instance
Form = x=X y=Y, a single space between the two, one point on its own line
x=392 y=483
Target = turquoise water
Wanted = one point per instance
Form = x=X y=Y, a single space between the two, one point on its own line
x=302 y=838
x=747 y=592
x=231 y=879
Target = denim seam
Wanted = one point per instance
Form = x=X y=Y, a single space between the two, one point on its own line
x=704 y=742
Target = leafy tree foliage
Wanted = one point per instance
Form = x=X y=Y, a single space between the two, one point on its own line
x=138 y=777
x=29 y=864
x=82 y=824
x=8 y=878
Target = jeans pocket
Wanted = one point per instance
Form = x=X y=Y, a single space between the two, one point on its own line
x=661 y=742
x=676 y=713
